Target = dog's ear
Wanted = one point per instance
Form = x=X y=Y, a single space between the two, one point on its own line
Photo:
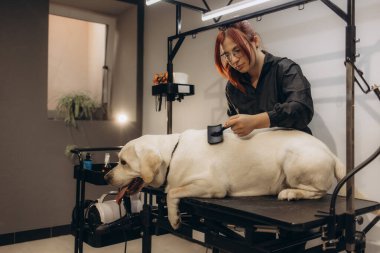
x=150 y=160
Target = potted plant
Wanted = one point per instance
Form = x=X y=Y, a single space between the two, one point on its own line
x=76 y=107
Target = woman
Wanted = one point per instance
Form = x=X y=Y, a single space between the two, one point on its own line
x=262 y=90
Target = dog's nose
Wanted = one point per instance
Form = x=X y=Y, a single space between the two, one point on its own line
x=108 y=177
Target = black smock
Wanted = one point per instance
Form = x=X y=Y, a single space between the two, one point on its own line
x=282 y=91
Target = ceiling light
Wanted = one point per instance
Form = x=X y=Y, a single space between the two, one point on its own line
x=231 y=8
x=150 y=2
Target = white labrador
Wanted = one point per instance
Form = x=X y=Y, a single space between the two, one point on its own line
x=287 y=163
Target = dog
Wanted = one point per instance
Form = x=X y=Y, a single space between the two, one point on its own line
x=288 y=163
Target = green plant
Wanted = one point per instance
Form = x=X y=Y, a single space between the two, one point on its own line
x=76 y=106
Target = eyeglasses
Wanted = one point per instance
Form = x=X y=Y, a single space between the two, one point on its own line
x=236 y=52
x=224 y=28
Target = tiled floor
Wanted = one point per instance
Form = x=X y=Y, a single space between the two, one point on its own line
x=64 y=244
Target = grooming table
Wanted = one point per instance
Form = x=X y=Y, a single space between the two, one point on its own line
x=266 y=224
x=290 y=215
x=235 y=224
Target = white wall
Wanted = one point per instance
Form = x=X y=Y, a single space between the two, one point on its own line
x=313 y=37
x=124 y=87
x=41 y=179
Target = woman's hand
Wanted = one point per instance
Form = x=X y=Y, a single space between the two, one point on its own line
x=244 y=124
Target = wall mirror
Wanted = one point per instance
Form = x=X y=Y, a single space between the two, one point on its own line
x=93 y=53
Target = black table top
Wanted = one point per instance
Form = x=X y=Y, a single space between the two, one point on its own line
x=293 y=215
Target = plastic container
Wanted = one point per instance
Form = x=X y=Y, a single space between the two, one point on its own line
x=87 y=163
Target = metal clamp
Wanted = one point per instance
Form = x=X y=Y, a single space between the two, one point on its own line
x=328 y=243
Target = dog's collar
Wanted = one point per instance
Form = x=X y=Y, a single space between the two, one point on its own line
x=167 y=171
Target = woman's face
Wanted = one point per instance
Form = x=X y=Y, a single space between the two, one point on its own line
x=235 y=57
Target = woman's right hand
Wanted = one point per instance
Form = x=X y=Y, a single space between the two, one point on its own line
x=244 y=124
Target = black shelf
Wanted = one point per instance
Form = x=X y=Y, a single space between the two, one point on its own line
x=80 y=227
x=94 y=176
x=173 y=90
x=99 y=240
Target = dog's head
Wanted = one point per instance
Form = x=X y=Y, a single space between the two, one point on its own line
x=142 y=162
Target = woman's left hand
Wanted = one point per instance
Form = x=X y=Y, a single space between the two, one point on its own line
x=244 y=124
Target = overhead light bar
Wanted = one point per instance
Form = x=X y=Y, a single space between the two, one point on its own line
x=150 y=2
x=230 y=8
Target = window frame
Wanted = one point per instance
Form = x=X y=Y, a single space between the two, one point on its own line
x=89 y=16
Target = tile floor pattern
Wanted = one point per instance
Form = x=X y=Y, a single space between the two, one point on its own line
x=65 y=244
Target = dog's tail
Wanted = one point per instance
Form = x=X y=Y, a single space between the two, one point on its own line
x=340 y=169
x=339 y=172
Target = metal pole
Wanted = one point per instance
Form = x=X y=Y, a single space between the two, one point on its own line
x=146 y=225
x=170 y=116
x=171 y=54
x=256 y=14
x=178 y=19
x=81 y=209
x=140 y=64
x=350 y=124
x=169 y=100
x=350 y=100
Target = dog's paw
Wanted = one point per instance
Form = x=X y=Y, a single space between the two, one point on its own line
x=288 y=194
x=175 y=221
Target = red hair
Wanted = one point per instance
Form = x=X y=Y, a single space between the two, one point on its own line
x=242 y=34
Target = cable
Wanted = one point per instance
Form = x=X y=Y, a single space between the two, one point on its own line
x=347 y=177
x=330 y=239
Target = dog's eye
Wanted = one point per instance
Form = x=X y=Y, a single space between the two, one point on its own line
x=123 y=162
